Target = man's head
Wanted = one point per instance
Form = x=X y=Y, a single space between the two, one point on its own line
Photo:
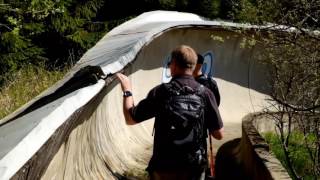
x=183 y=60
x=197 y=70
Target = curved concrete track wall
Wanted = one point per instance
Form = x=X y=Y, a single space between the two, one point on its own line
x=93 y=142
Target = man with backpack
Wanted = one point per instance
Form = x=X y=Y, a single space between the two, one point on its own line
x=183 y=111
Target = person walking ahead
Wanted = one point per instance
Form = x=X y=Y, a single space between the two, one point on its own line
x=211 y=84
x=183 y=111
x=203 y=79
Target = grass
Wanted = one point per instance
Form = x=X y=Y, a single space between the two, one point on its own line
x=136 y=174
x=298 y=152
x=24 y=85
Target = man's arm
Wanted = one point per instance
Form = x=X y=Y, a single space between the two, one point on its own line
x=215 y=124
x=128 y=102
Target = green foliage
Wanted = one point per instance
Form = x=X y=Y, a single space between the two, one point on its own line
x=248 y=42
x=297 y=150
x=250 y=11
x=37 y=31
x=295 y=13
x=205 y=8
x=16 y=50
x=137 y=174
x=210 y=8
x=217 y=38
x=23 y=85
x=294 y=69
x=51 y=31
x=294 y=62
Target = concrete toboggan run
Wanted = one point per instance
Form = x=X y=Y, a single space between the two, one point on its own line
x=76 y=129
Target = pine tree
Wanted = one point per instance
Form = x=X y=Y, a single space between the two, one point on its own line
x=37 y=31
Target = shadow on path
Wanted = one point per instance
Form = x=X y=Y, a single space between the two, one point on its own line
x=227 y=165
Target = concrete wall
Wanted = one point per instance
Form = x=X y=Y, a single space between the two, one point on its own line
x=250 y=156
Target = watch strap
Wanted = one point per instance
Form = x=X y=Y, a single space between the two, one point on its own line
x=127 y=93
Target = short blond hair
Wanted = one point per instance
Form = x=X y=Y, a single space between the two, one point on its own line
x=185 y=57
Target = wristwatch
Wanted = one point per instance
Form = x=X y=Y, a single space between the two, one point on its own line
x=127 y=93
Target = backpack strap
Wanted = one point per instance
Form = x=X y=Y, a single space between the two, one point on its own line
x=178 y=88
x=173 y=87
x=200 y=90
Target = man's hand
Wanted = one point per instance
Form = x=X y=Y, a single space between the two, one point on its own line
x=125 y=82
x=127 y=101
x=217 y=134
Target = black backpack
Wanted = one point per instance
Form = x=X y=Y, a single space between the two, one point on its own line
x=184 y=109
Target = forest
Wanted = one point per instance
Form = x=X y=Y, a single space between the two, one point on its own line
x=57 y=32
x=41 y=39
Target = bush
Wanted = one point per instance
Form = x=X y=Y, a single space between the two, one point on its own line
x=298 y=152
